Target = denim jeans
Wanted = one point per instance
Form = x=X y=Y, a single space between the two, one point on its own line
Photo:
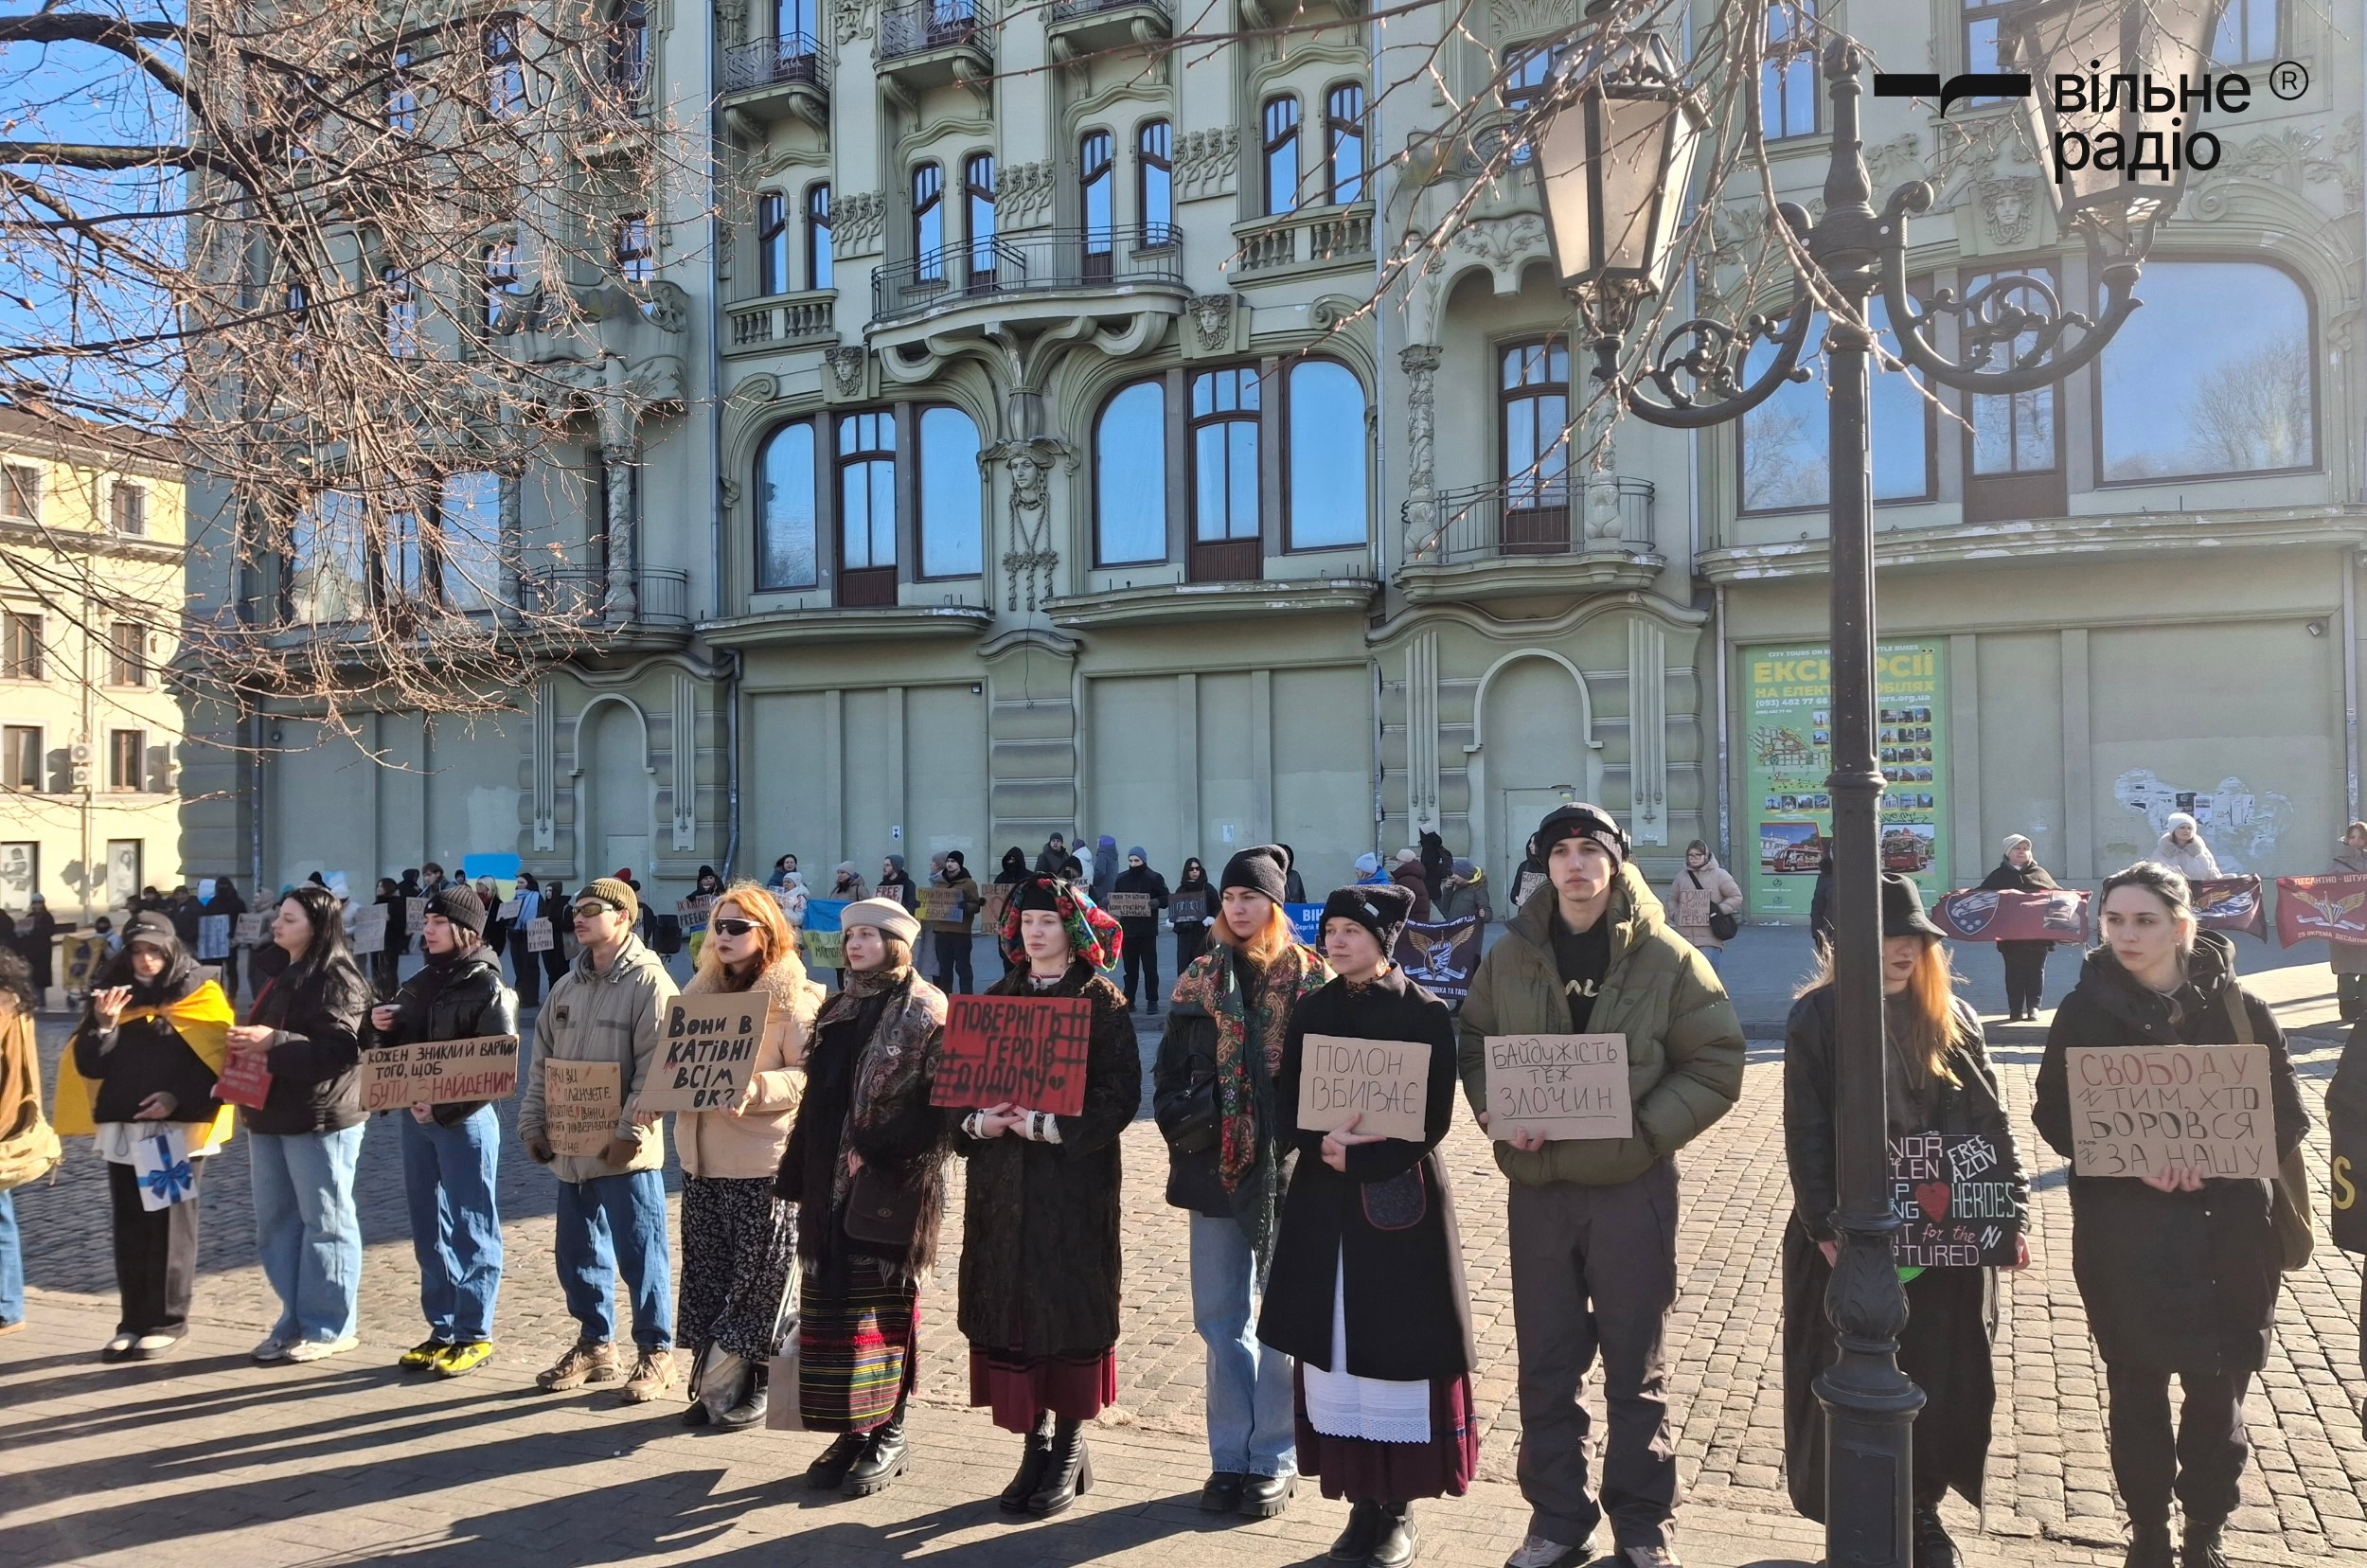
x=455 y=1224
x=12 y=1263
x=1716 y=955
x=308 y=1230
x=602 y=1223
x=1250 y=1430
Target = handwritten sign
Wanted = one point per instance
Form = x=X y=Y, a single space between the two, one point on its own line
x=1955 y=1209
x=439 y=1072
x=693 y=912
x=1385 y=1083
x=1026 y=1050
x=706 y=1049
x=1186 y=908
x=1132 y=906
x=508 y=910
x=2141 y=1110
x=245 y=1081
x=537 y=936
x=822 y=949
x=940 y=905
x=249 y=931
x=1562 y=1085
x=366 y=926
x=414 y=917
x=997 y=899
x=213 y=937
x=581 y=1103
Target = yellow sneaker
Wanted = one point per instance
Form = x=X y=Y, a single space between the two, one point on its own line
x=422 y=1355
x=465 y=1357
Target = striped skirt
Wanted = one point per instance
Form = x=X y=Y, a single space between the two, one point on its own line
x=859 y=1352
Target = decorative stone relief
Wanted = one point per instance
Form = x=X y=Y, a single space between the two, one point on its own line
x=1211 y=319
x=1515 y=20
x=1023 y=195
x=1420 y=364
x=2009 y=210
x=856 y=19
x=1501 y=240
x=1206 y=163
x=848 y=363
x=1030 y=560
x=1893 y=163
x=858 y=223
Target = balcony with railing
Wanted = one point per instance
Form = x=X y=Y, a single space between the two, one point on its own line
x=1074 y=27
x=1313 y=239
x=580 y=593
x=774 y=78
x=1531 y=535
x=931 y=42
x=1053 y=265
x=782 y=321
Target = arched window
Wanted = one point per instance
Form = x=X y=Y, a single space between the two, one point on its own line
x=772 y=243
x=1344 y=143
x=1324 y=448
x=818 y=263
x=1154 y=183
x=1282 y=154
x=1131 y=477
x=928 y=223
x=2215 y=375
x=628 y=51
x=505 y=72
x=978 y=191
x=784 y=508
x=952 y=495
x=1093 y=190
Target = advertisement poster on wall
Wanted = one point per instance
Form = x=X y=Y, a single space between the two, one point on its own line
x=1787 y=752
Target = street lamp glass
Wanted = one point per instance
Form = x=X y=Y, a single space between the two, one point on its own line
x=2096 y=41
x=1615 y=161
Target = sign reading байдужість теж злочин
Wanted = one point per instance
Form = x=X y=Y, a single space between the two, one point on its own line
x=1564 y=1085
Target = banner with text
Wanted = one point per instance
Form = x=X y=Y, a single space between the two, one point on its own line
x=2320 y=909
x=1441 y=957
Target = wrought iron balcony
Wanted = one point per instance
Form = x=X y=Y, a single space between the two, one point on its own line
x=1562 y=515
x=581 y=592
x=777 y=62
x=927 y=26
x=1035 y=261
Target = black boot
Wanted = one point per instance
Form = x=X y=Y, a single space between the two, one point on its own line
x=828 y=1473
x=1068 y=1471
x=1933 y=1549
x=1031 y=1463
x=698 y=1414
x=1398 y=1539
x=2149 y=1546
x=1355 y=1542
x=2202 y=1545
x=754 y=1400
x=884 y=1457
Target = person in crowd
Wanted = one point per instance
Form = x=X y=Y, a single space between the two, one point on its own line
x=1366 y=1291
x=38 y=941
x=2346 y=1132
x=865 y=1165
x=1052 y=856
x=608 y=1007
x=1015 y=871
x=950 y=940
x=496 y=933
x=1213 y=1090
x=1592 y=1224
x=185 y=912
x=846 y=883
x=227 y=903
x=106 y=928
x=1041 y=1254
x=1191 y=930
x=2178 y=1271
x=1939 y=1080
x=525 y=963
x=143 y=1061
x=1820 y=903
x=432 y=879
x=1530 y=877
x=705 y=884
x=452 y=1152
x=1464 y=892
x=306 y=1138
x=782 y=870
x=1437 y=863
x=2182 y=848
x=2349 y=959
x=739 y=1238
x=386 y=963
x=1407 y=873
x=2025 y=962
x=1293 y=885
x=28 y=1144
x=1702 y=889
x=896 y=883
x=1105 y=868
x=792 y=896
x=1073 y=869
x=1142 y=932
x=1368 y=869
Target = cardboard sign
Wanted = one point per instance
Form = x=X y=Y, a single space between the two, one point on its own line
x=1132 y=906
x=1954 y=1209
x=539 y=936
x=414 y=917
x=1978 y=915
x=508 y=910
x=942 y=905
x=2141 y=1110
x=1442 y=956
x=213 y=938
x=249 y=932
x=822 y=949
x=1693 y=906
x=366 y=927
x=693 y=912
x=1384 y=1083
x=997 y=899
x=582 y=1103
x=1182 y=908
x=1026 y=1050
x=439 y=1072
x=244 y=1081
x=2312 y=909
x=1562 y=1085
x=706 y=1049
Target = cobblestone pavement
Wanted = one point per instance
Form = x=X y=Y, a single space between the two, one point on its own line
x=2050 y=1490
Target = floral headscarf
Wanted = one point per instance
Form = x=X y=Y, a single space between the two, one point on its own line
x=1093 y=932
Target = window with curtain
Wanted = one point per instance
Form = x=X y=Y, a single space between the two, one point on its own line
x=772 y=243
x=978 y=191
x=928 y=223
x=505 y=72
x=1787 y=81
x=1343 y=144
x=953 y=500
x=2215 y=375
x=1281 y=154
x=784 y=508
x=1131 y=477
x=399 y=312
x=1094 y=177
x=2248 y=33
x=866 y=490
x=818 y=262
x=20 y=756
x=1224 y=455
x=1324 y=448
x=1784 y=467
x=469 y=540
x=20 y=491
x=1154 y=183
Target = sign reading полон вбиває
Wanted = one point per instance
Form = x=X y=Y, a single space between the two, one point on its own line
x=1954 y=1209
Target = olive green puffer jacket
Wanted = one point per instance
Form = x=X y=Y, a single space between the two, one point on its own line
x=1684 y=1042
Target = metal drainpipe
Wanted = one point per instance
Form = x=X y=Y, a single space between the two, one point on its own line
x=255 y=807
x=1726 y=801
x=2350 y=680
x=716 y=152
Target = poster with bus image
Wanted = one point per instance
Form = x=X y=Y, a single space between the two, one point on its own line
x=1787 y=753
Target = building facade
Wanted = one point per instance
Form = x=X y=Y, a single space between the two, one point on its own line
x=1056 y=431
x=91 y=544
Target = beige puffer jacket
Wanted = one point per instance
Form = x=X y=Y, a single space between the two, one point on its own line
x=746 y=1145
x=1719 y=891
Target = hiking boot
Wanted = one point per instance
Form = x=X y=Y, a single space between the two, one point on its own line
x=464 y=1358
x=2202 y=1545
x=2149 y=1546
x=422 y=1355
x=584 y=1363
x=652 y=1375
x=1398 y=1539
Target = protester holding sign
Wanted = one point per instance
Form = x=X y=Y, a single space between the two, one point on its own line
x=1592 y=1222
x=1137 y=884
x=1703 y=902
x=1366 y=1291
x=1226 y=1135
x=2178 y=1271
x=1939 y=1080
x=38 y=942
x=948 y=935
x=866 y=1164
x=143 y=1063
x=1041 y=1254
x=2025 y=962
x=1190 y=903
x=612 y=1205
x=304 y=1032
x=451 y=1152
x=2349 y=959
x=738 y=1238
x=28 y=1144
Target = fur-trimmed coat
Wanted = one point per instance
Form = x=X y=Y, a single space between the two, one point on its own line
x=743 y=1144
x=1040 y=1260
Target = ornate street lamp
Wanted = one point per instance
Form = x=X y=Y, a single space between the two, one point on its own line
x=1611 y=201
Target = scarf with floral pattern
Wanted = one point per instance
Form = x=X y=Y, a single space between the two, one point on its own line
x=1213 y=982
x=1093 y=932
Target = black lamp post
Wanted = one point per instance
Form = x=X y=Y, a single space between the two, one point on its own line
x=1615 y=148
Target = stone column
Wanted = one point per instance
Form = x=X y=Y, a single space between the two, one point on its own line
x=621 y=602
x=1420 y=362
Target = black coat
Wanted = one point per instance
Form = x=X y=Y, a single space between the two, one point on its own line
x=1409 y=1314
x=2346 y=1130
x=466 y=1001
x=1142 y=928
x=2006 y=877
x=317 y=1013
x=1183 y=1072
x=2173 y=1281
x=1041 y=1255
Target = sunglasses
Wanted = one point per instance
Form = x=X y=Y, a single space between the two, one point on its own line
x=734 y=927
x=592 y=910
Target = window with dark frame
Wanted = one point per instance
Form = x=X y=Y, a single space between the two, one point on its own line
x=636 y=258
x=2248 y=33
x=127 y=653
x=787 y=525
x=1981 y=19
x=2013 y=452
x=1223 y=443
x=818 y=258
x=1280 y=119
x=1154 y=184
x=505 y=72
x=1533 y=444
x=772 y=243
x=401 y=574
x=978 y=199
x=1788 y=84
x=19 y=645
x=20 y=756
x=399 y=312
x=20 y=491
x=1344 y=143
x=403 y=95
x=1094 y=177
x=128 y=502
x=497 y=283
x=928 y=223
x=628 y=51
x=866 y=508
x=126 y=760
x=1528 y=74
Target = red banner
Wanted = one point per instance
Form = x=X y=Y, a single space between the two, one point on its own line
x=2230 y=904
x=2316 y=909
x=1979 y=914
x=1028 y=1051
